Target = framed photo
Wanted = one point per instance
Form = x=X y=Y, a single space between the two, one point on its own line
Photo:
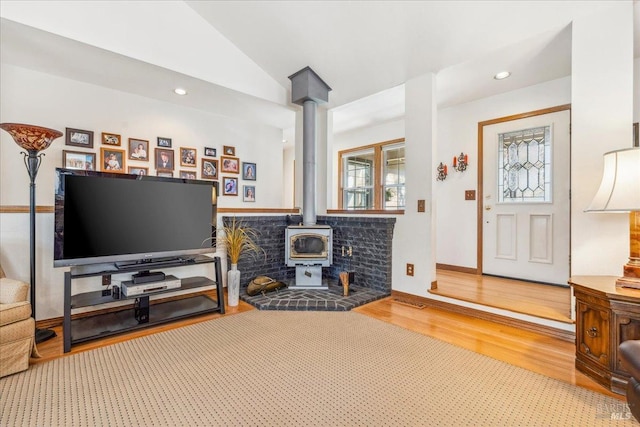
x=228 y=150
x=112 y=160
x=78 y=160
x=230 y=164
x=188 y=175
x=249 y=193
x=210 y=152
x=79 y=138
x=209 y=169
x=110 y=138
x=188 y=157
x=165 y=174
x=229 y=186
x=164 y=159
x=164 y=142
x=137 y=170
x=138 y=149
x=249 y=171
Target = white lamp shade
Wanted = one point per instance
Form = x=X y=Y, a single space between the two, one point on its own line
x=620 y=187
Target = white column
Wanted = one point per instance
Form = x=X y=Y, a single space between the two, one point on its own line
x=414 y=235
x=602 y=112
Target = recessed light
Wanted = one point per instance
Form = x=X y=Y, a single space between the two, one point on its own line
x=502 y=75
x=180 y=91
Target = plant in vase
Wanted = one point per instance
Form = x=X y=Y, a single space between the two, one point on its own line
x=238 y=239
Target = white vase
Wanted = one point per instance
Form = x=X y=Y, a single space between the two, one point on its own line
x=233 y=285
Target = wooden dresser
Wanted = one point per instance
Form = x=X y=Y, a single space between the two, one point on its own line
x=606 y=315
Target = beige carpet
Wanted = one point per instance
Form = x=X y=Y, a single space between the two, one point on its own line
x=275 y=368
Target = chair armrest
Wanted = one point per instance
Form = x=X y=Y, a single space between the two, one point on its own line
x=12 y=291
x=630 y=355
x=14 y=312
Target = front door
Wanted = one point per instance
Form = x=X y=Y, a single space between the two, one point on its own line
x=525 y=219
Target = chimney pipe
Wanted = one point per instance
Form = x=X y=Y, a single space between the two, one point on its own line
x=308 y=89
x=309 y=212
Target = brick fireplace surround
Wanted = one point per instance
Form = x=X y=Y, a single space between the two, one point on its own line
x=370 y=239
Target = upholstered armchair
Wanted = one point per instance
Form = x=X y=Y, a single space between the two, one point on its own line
x=17 y=327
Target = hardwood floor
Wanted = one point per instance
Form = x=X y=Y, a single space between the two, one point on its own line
x=544 y=301
x=533 y=351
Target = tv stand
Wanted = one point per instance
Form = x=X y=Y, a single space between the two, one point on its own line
x=140 y=312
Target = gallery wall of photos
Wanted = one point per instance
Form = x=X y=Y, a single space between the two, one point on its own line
x=143 y=157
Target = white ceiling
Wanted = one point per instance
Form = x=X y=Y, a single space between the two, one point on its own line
x=364 y=50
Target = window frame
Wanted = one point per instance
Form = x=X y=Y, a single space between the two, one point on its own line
x=378 y=169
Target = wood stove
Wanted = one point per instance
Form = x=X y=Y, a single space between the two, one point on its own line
x=308 y=248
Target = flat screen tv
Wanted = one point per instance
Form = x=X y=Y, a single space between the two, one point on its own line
x=103 y=217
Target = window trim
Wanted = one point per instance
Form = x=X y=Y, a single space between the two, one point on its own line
x=378 y=203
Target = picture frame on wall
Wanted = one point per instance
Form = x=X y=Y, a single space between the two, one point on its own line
x=164 y=159
x=188 y=157
x=79 y=137
x=164 y=142
x=249 y=193
x=137 y=170
x=188 y=175
x=78 y=160
x=112 y=160
x=210 y=152
x=248 y=171
x=229 y=150
x=109 y=138
x=229 y=186
x=138 y=149
x=209 y=169
x=230 y=164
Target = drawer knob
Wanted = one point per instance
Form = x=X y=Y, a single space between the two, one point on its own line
x=592 y=332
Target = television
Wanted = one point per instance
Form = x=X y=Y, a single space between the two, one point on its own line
x=103 y=217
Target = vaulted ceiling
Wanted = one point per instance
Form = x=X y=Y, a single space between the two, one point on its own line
x=364 y=50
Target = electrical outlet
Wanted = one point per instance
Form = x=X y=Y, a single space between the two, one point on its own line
x=409 y=269
x=421 y=205
x=470 y=194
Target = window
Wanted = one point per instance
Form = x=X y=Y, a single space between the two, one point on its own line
x=524 y=166
x=372 y=177
x=358 y=186
x=393 y=189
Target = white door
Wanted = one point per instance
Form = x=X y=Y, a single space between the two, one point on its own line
x=526 y=198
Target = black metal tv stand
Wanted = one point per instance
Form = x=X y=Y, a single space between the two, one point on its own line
x=140 y=313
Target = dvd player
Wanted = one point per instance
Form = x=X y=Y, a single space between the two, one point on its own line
x=129 y=288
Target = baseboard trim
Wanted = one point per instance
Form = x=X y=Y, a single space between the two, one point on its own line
x=491 y=317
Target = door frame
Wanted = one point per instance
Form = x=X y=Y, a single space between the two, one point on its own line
x=480 y=188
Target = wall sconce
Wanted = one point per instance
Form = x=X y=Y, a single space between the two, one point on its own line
x=460 y=163
x=442 y=172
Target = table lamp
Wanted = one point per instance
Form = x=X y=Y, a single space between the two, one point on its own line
x=620 y=192
x=33 y=139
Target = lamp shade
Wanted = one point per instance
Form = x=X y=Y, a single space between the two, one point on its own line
x=620 y=187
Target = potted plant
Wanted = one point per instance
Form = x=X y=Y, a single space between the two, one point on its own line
x=238 y=239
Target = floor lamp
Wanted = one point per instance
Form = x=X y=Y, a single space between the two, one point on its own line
x=33 y=139
x=620 y=192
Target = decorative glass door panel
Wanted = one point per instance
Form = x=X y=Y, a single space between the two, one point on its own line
x=524 y=166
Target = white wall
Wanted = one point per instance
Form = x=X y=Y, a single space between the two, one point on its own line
x=456 y=228
x=636 y=90
x=602 y=113
x=45 y=100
